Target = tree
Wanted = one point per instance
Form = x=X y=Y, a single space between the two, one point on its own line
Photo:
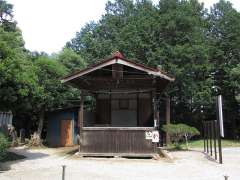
x=224 y=36
x=127 y=27
x=50 y=91
x=5 y=11
x=179 y=132
x=4 y=144
x=6 y=16
x=70 y=60
x=17 y=74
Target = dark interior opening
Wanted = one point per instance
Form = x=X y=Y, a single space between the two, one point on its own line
x=116 y=109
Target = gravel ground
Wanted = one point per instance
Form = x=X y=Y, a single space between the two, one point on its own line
x=45 y=164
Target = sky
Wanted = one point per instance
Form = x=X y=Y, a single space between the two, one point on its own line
x=48 y=24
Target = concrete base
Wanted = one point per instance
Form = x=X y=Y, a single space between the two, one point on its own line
x=165 y=153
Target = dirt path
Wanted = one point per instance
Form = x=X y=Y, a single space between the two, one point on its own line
x=45 y=164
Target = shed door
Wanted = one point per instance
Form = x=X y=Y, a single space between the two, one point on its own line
x=66 y=133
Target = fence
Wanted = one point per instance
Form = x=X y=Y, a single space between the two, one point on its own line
x=5 y=120
x=212 y=139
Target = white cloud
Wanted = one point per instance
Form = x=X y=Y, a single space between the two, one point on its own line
x=48 y=24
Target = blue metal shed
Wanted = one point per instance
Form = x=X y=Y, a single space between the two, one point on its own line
x=62 y=127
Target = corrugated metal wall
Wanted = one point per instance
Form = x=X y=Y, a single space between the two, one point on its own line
x=54 y=126
x=5 y=120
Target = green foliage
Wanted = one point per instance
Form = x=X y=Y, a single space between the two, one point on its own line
x=71 y=60
x=6 y=16
x=49 y=85
x=4 y=144
x=17 y=76
x=179 y=132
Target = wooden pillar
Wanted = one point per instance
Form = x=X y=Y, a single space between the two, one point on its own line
x=80 y=119
x=155 y=117
x=80 y=112
x=110 y=108
x=155 y=109
x=138 y=122
x=167 y=118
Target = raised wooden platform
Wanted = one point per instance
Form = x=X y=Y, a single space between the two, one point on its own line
x=116 y=141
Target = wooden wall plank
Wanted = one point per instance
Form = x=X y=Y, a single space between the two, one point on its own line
x=116 y=141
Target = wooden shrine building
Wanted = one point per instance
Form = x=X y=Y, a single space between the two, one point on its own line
x=122 y=118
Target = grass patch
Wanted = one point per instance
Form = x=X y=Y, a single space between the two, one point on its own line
x=199 y=144
x=10 y=156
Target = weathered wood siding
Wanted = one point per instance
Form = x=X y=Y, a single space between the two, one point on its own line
x=103 y=112
x=116 y=140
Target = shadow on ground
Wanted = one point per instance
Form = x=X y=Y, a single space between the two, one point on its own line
x=15 y=156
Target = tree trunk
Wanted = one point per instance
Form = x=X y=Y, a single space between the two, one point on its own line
x=186 y=139
x=40 y=124
x=36 y=138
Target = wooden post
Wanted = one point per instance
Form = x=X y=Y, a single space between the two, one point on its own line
x=80 y=117
x=138 y=109
x=81 y=111
x=167 y=118
x=155 y=121
x=155 y=111
x=110 y=108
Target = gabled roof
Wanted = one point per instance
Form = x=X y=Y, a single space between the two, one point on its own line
x=118 y=58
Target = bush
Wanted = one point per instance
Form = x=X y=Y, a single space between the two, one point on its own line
x=178 y=132
x=4 y=144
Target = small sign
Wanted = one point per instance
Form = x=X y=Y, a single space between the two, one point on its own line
x=148 y=134
x=155 y=136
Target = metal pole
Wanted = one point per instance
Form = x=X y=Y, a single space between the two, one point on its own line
x=226 y=177
x=210 y=134
x=218 y=134
x=207 y=135
x=63 y=172
x=219 y=144
x=215 y=138
x=204 y=136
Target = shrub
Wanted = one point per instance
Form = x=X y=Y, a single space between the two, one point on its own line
x=4 y=144
x=178 y=132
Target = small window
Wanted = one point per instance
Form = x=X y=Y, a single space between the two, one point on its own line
x=123 y=104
